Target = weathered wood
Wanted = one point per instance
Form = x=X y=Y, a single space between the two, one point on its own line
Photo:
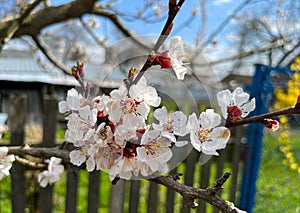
x=221 y=160
x=49 y=130
x=50 y=107
x=153 y=198
x=189 y=174
x=93 y=193
x=170 y=200
x=204 y=183
x=235 y=162
x=134 y=196
x=72 y=188
x=117 y=195
x=17 y=116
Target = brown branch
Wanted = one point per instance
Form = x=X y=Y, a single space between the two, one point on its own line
x=37 y=21
x=30 y=164
x=8 y=29
x=51 y=57
x=40 y=152
x=189 y=193
x=260 y=118
x=98 y=10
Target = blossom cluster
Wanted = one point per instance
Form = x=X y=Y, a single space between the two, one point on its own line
x=110 y=132
x=51 y=175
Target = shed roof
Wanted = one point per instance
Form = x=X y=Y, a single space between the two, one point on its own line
x=22 y=66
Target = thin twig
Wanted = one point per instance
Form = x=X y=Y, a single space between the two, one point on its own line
x=260 y=118
x=190 y=194
x=173 y=11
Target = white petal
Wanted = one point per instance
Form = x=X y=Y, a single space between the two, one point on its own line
x=179 y=70
x=119 y=94
x=193 y=123
x=161 y=115
x=169 y=135
x=90 y=164
x=209 y=119
x=196 y=142
x=240 y=96
x=248 y=107
x=224 y=99
x=62 y=107
x=180 y=143
x=77 y=157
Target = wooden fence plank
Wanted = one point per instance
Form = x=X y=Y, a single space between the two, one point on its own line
x=170 y=200
x=235 y=162
x=189 y=174
x=204 y=183
x=49 y=130
x=72 y=188
x=152 y=198
x=134 y=196
x=117 y=195
x=93 y=193
x=221 y=160
x=17 y=116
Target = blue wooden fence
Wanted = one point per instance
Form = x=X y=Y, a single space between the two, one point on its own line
x=262 y=89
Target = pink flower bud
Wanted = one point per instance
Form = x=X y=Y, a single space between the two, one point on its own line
x=164 y=60
x=298 y=102
x=131 y=72
x=234 y=113
x=271 y=124
x=75 y=72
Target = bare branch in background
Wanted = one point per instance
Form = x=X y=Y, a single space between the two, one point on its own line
x=203 y=27
x=242 y=55
x=8 y=29
x=51 y=57
x=98 y=10
x=92 y=34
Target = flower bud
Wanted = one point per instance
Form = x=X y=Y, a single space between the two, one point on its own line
x=271 y=124
x=234 y=113
x=298 y=102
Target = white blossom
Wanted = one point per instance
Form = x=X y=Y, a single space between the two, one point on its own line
x=52 y=173
x=205 y=136
x=5 y=162
x=236 y=103
x=138 y=100
x=130 y=130
x=78 y=156
x=154 y=152
x=177 y=55
x=171 y=125
x=124 y=168
x=73 y=101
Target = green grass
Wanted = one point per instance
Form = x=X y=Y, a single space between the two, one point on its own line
x=277 y=186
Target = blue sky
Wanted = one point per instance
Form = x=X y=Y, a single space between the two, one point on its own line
x=217 y=11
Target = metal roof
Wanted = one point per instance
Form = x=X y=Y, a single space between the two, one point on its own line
x=22 y=66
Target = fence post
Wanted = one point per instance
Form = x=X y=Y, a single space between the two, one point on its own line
x=49 y=130
x=17 y=116
x=117 y=196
